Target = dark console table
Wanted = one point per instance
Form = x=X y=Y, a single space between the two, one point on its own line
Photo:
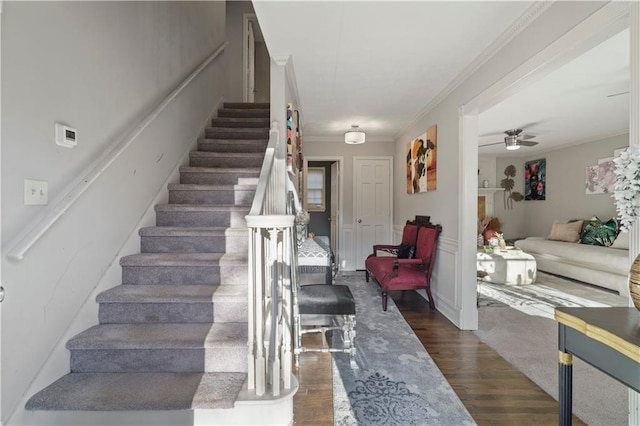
x=607 y=338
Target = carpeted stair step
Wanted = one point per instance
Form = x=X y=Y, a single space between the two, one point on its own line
x=247 y=105
x=200 y=215
x=245 y=113
x=220 y=176
x=139 y=391
x=211 y=194
x=190 y=268
x=170 y=347
x=171 y=239
x=225 y=159
x=233 y=145
x=246 y=122
x=233 y=133
x=173 y=303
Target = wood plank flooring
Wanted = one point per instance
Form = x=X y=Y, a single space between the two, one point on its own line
x=493 y=391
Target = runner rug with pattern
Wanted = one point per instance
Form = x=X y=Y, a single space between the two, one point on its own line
x=397 y=382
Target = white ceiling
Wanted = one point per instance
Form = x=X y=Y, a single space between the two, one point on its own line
x=378 y=64
x=569 y=106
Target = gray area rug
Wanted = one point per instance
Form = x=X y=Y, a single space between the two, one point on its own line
x=397 y=382
x=597 y=398
x=548 y=292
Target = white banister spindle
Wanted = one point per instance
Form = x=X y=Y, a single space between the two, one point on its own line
x=271 y=263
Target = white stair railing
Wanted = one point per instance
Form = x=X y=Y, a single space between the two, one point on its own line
x=271 y=260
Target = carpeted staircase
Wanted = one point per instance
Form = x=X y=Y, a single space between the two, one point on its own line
x=173 y=336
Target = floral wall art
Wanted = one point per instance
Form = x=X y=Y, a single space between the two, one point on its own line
x=422 y=161
x=535 y=179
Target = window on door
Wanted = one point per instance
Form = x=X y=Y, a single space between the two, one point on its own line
x=315 y=189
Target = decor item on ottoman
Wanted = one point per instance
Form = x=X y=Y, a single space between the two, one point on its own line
x=408 y=274
x=489 y=227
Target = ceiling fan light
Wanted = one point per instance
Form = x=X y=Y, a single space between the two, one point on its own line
x=354 y=136
x=511 y=142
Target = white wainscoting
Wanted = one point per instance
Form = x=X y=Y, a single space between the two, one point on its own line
x=444 y=277
x=397 y=233
x=347 y=247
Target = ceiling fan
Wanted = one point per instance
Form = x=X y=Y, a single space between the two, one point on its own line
x=515 y=139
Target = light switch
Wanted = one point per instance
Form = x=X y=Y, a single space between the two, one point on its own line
x=36 y=192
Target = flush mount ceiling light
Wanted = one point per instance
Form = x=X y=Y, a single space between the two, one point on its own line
x=512 y=142
x=354 y=136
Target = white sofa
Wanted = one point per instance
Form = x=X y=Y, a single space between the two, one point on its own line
x=601 y=266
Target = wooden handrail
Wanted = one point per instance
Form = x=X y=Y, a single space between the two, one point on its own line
x=55 y=211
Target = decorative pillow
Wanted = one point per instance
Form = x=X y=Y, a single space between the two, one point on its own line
x=569 y=232
x=406 y=251
x=599 y=233
x=621 y=242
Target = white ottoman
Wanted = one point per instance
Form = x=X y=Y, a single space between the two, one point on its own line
x=510 y=266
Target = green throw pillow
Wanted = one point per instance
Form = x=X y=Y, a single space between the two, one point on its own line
x=599 y=233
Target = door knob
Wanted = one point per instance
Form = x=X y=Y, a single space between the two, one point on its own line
x=1 y=294
x=359 y=220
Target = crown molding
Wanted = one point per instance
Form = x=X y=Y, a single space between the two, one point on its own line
x=531 y=14
x=280 y=60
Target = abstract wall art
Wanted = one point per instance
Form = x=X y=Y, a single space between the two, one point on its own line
x=421 y=172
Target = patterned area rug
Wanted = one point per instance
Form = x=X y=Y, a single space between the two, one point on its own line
x=397 y=382
x=548 y=292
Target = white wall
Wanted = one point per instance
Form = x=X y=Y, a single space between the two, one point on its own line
x=454 y=281
x=99 y=67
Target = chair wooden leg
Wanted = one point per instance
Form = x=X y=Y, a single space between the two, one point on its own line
x=366 y=275
x=431 y=304
x=384 y=301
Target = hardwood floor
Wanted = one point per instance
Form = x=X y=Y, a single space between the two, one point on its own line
x=492 y=390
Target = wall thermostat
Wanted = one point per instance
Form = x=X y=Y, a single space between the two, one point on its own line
x=66 y=136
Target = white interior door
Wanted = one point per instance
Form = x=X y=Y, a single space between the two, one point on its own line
x=373 y=183
x=251 y=63
x=335 y=176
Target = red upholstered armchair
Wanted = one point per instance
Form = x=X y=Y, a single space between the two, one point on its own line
x=409 y=274
x=406 y=248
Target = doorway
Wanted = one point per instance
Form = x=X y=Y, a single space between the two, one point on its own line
x=373 y=198
x=326 y=212
x=256 y=62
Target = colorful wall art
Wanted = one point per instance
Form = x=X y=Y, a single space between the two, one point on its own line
x=535 y=179
x=422 y=162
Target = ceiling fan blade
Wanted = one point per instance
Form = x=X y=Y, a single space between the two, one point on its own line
x=490 y=144
x=527 y=143
x=617 y=94
x=525 y=137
